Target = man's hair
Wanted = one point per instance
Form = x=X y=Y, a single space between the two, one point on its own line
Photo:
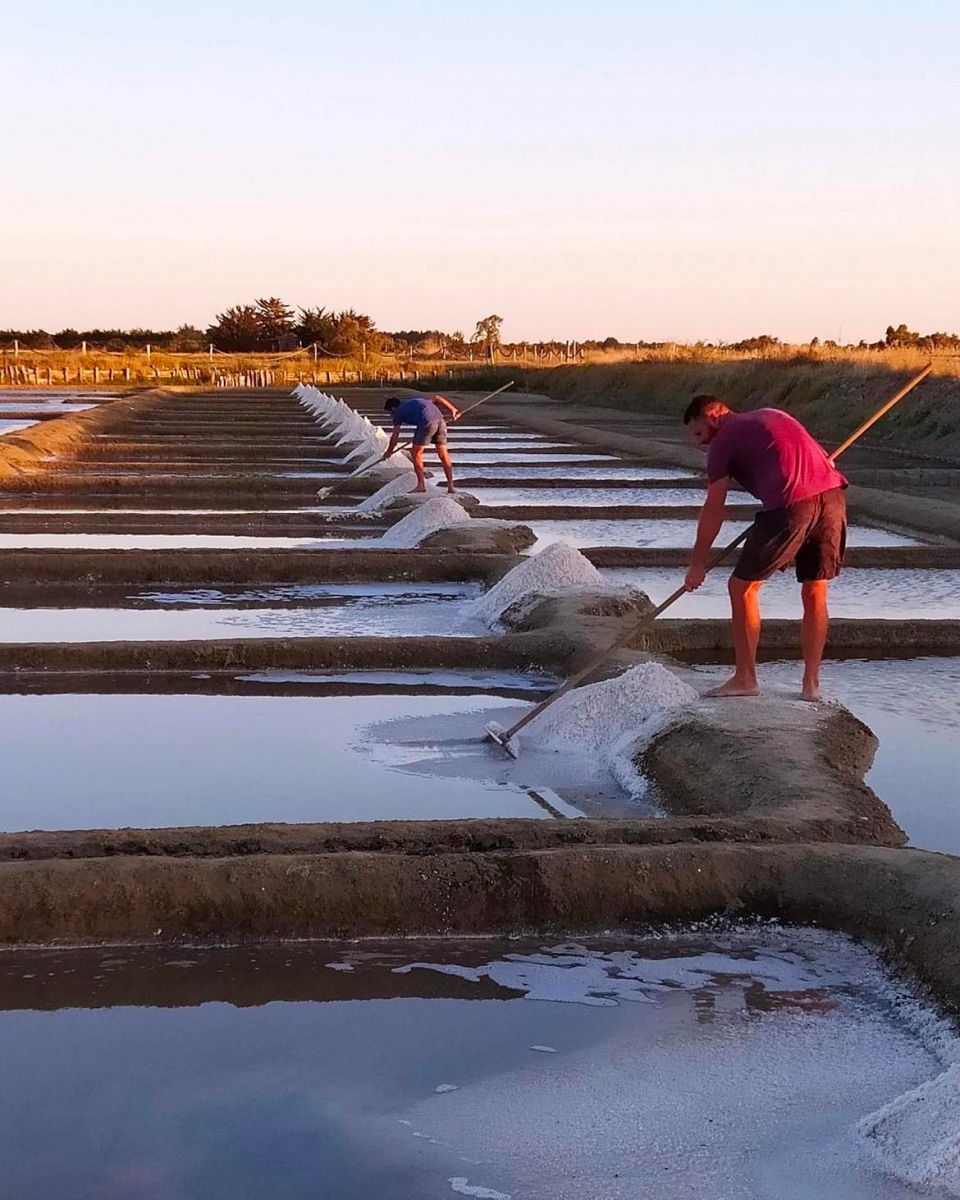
x=704 y=405
x=391 y=404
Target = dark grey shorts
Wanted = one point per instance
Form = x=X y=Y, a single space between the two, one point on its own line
x=812 y=534
x=434 y=432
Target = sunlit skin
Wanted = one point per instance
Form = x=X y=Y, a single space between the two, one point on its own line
x=450 y=409
x=745 y=594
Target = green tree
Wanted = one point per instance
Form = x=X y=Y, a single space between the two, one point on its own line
x=238 y=328
x=901 y=336
x=316 y=325
x=487 y=333
x=188 y=339
x=274 y=317
x=352 y=332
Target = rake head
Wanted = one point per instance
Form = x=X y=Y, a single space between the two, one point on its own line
x=496 y=733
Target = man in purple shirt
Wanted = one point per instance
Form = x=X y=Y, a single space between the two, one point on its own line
x=425 y=414
x=802 y=521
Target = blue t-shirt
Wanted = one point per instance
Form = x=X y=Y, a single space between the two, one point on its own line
x=418 y=410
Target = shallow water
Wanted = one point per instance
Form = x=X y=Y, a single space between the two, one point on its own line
x=180 y=618
x=311 y=593
x=858 y=592
x=598 y=497
x=47 y=398
x=167 y=541
x=468 y=441
x=32 y=408
x=13 y=426
x=730 y=1066
x=521 y=459
x=913 y=706
x=107 y=761
x=670 y=533
x=611 y=470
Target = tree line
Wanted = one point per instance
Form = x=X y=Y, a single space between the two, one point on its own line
x=271 y=325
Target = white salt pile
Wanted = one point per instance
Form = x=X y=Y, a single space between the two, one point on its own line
x=597 y=718
x=556 y=567
x=438 y=513
x=916 y=1137
x=403 y=485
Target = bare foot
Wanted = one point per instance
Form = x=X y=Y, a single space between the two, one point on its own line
x=451 y=492
x=418 y=489
x=733 y=687
x=811 y=693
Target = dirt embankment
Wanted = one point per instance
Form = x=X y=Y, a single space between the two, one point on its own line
x=32 y=450
x=831 y=397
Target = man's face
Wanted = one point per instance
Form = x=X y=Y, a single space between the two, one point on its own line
x=702 y=431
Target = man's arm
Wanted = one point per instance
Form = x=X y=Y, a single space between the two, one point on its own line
x=392 y=444
x=444 y=403
x=708 y=526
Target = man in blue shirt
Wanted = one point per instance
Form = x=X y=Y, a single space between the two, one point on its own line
x=426 y=415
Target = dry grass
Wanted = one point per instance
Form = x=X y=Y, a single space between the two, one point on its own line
x=53 y=367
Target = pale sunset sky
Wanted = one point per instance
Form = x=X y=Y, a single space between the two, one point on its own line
x=663 y=170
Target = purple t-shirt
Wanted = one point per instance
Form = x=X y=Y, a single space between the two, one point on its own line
x=771 y=456
x=416 y=410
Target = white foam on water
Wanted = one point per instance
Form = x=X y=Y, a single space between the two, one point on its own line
x=461 y=1185
x=439 y=513
x=557 y=567
x=916 y=1137
x=442 y=1088
x=573 y=974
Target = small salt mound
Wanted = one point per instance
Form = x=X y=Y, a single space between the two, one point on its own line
x=916 y=1137
x=439 y=513
x=557 y=566
x=595 y=719
x=401 y=486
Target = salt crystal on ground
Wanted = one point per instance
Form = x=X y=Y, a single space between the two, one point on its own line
x=556 y=567
x=595 y=719
x=438 y=513
x=916 y=1137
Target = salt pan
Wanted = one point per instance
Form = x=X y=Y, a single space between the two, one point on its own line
x=556 y=567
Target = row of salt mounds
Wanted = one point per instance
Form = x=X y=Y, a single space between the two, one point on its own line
x=368 y=440
x=916 y=1137
x=606 y=720
x=558 y=568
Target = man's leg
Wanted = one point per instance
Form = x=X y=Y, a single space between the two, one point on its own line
x=745 y=611
x=417 y=456
x=447 y=465
x=816 y=621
